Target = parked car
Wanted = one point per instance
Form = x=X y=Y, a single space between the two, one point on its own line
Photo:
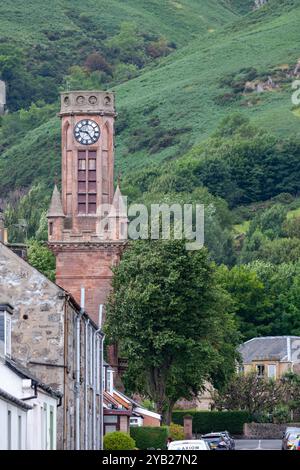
x=217 y=441
x=297 y=443
x=228 y=438
x=290 y=438
x=197 y=444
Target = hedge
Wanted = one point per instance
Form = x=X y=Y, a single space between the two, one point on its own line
x=149 y=437
x=208 y=421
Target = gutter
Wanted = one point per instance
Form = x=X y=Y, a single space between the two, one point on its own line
x=16 y=401
x=35 y=393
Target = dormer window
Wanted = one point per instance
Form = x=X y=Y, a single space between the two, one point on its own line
x=5 y=329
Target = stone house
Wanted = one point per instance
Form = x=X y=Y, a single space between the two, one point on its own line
x=271 y=356
x=55 y=339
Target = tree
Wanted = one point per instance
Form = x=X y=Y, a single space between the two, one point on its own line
x=41 y=258
x=270 y=221
x=128 y=45
x=251 y=300
x=96 y=61
x=291 y=383
x=250 y=393
x=173 y=322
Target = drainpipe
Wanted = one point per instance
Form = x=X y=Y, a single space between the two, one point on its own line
x=77 y=374
x=101 y=377
x=86 y=428
x=101 y=392
x=96 y=333
x=34 y=387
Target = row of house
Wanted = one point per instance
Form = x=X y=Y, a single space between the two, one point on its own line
x=56 y=392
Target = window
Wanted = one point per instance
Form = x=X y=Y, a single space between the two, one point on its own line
x=20 y=432
x=45 y=427
x=8 y=430
x=5 y=334
x=111 y=423
x=104 y=378
x=87 y=182
x=272 y=371
x=260 y=368
x=51 y=428
x=51 y=228
x=110 y=381
x=112 y=419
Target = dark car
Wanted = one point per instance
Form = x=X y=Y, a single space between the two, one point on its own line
x=290 y=437
x=228 y=438
x=217 y=441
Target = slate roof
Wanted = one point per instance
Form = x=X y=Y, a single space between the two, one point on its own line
x=26 y=374
x=274 y=348
x=16 y=401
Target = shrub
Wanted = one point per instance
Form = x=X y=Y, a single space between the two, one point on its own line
x=150 y=437
x=118 y=441
x=281 y=414
x=208 y=421
x=176 y=432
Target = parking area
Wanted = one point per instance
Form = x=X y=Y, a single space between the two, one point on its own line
x=252 y=444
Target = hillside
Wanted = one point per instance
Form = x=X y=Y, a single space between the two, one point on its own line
x=177 y=102
x=28 y=21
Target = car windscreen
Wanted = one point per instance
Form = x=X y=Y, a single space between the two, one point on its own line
x=293 y=437
x=216 y=439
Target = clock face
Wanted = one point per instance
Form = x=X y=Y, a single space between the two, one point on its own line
x=87 y=132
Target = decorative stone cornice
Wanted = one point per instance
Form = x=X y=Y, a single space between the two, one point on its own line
x=105 y=245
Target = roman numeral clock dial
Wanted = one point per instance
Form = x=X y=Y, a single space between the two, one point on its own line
x=87 y=132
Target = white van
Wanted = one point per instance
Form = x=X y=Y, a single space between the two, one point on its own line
x=199 y=444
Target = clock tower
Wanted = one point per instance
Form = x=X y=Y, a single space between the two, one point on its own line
x=80 y=233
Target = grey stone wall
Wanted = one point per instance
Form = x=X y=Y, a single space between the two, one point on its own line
x=265 y=430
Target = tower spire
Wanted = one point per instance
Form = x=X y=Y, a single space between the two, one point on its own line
x=55 y=209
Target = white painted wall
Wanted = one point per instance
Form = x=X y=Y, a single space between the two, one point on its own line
x=38 y=426
x=18 y=418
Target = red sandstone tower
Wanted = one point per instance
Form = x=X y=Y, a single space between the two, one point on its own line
x=85 y=246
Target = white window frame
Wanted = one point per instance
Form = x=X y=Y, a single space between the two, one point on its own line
x=274 y=368
x=110 y=381
x=7 y=333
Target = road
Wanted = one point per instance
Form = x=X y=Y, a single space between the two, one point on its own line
x=252 y=444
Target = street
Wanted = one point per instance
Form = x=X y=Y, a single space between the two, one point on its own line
x=252 y=444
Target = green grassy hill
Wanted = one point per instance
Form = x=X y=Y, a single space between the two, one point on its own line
x=179 y=101
x=32 y=20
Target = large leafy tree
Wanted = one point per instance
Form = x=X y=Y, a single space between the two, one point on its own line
x=173 y=322
x=251 y=300
x=266 y=297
